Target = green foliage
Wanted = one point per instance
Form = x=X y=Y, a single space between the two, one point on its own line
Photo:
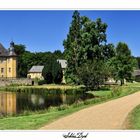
x=122 y=65
x=47 y=72
x=28 y=59
x=92 y=74
x=19 y=49
x=52 y=72
x=72 y=46
x=133 y=119
x=116 y=91
x=41 y=82
x=87 y=52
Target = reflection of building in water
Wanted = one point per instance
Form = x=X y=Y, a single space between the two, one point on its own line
x=8 y=103
x=63 y=98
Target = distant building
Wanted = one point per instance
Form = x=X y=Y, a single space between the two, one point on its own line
x=35 y=72
x=8 y=62
x=63 y=63
x=136 y=75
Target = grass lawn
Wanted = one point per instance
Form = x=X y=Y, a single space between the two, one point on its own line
x=38 y=119
x=133 y=119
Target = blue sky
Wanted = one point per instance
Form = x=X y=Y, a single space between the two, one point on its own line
x=46 y=30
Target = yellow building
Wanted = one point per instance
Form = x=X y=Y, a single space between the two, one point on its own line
x=35 y=72
x=8 y=62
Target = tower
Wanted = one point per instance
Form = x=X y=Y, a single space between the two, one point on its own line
x=11 y=62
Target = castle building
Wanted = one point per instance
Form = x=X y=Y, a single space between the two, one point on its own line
x=8 y=62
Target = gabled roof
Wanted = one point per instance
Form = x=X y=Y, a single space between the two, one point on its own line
x=63 y=63
x=37 y=69
x=3 y=51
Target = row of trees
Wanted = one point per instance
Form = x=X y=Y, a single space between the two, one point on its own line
x=27 y=59
x=91 y=60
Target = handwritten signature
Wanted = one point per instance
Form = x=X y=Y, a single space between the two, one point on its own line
x=78 y=135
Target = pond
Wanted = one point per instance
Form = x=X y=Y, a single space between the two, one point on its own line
x=17 y=103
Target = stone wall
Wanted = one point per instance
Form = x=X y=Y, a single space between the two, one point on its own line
x=17 y=81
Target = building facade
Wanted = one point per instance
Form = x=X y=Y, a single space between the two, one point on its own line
x=35 y=72
x=63 y=63
x=8 y=62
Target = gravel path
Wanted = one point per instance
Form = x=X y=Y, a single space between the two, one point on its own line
x=109 y=115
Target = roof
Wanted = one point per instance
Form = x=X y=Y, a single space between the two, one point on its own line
x=37 y=69
x=136 y=72
x=3 y=51
x=63 y=63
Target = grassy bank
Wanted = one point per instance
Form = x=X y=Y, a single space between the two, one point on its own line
x=38 y=119
x=50 y=86
x=133 y=119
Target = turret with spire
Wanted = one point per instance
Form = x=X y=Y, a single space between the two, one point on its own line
x=11 y=49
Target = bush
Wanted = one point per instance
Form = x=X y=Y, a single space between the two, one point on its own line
x=63 y=107
x=116 y=91
x=41 y=82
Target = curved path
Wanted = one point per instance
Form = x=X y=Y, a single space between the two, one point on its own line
x=109 y=115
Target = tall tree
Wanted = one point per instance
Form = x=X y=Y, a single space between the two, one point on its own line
x=123 y=63
x=20 y=50
x=86 y=45
x=47 y=71
x=72 y=46
x=52 y=72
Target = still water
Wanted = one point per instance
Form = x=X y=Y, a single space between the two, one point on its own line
x=16 y=103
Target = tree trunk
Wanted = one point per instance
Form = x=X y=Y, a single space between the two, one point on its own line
x=122 y=82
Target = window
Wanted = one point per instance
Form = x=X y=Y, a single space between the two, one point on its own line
x=9 y=69
x=2 y=70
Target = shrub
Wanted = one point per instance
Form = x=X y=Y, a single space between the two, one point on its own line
x=116 y=91
x=41 y=82
x=63 y=107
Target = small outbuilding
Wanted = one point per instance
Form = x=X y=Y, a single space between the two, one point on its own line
x=63 y=63
x=136 y=75
x=35 y=72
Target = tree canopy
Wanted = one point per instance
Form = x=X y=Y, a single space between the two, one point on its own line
x=52 y=72
x=27 y=59
x=123 y=63
x=85 y=47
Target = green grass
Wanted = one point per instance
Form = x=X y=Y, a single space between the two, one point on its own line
x=48 y=86
x=101 y=93
x=39 y=119
x=133 y=119
x=34 y=121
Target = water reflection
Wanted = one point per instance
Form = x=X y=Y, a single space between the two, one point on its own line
x=15 y=103
x=8 y=103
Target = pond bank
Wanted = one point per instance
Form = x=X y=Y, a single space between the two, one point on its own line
x=38 y=119
x=106 y=116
